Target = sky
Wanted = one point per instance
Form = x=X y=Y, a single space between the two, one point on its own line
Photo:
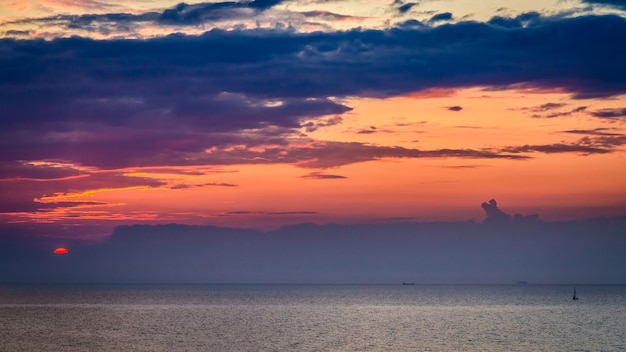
x=269 y=113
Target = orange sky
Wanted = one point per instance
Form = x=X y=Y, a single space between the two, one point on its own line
x=556 y=186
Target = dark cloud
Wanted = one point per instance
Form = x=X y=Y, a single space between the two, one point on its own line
x=522 y=20
x=312 y=59
x=312 y=126
x=559 y=113
x=609 y=113
x=548 y=106
x=606 y=142
x=181 y=171
x=209 y=184
x=106 y=23
x=408 y=24
x=167 y=100
x=494 y=214
x=25 y=194
x=404 y=8
x=264 y=4
x=323 y=176
x=505 y=22
x=16 y=33
x=445 y=16
x=332 y=154
x=47 y=171
x=372 y=130
x=196 y=14
x=601 y=144
x=619 y=4
x=319 y=154
x=182 y=14
x=367 y=131
x=14 y=205
x=596 y=132
x=558 y=148
x=220 y=184
x=454 y=108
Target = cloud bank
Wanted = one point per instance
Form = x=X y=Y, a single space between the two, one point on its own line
x=503 y=249
x=174 y=97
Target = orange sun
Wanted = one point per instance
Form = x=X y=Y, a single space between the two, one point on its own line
x=61 y=250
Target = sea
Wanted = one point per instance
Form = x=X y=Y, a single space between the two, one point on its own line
x=240 y=317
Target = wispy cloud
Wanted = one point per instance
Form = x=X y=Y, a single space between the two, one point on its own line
x=619 y=113
x=552 y=115
x=323 y=176
x=600 y=144
x=547 y=107
x=209 y=184
x=601 y=131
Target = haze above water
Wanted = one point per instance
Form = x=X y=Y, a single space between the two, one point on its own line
x=501 y=250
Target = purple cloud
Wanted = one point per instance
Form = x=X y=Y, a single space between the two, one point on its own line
x=609 y=113
x=312 y=126
x=24 y=195
x=560 y=113
x=494 y=214
x=31 y=171
x=596 y=132
x=547 y=106
x=218 y=184
x=600 y=144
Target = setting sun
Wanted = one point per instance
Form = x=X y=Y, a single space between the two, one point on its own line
x=61 y=250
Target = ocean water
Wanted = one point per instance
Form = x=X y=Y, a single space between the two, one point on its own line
x=312 y=318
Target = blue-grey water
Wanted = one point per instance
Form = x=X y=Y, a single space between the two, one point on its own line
x=312 y=318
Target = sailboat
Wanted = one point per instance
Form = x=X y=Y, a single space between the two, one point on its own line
x=575 y=298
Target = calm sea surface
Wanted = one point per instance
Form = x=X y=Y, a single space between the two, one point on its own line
x=312 y=318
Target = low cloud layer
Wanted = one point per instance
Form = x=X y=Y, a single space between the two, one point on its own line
x=503 y=249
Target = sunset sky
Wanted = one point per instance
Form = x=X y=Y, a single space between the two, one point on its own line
x=259 y=114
